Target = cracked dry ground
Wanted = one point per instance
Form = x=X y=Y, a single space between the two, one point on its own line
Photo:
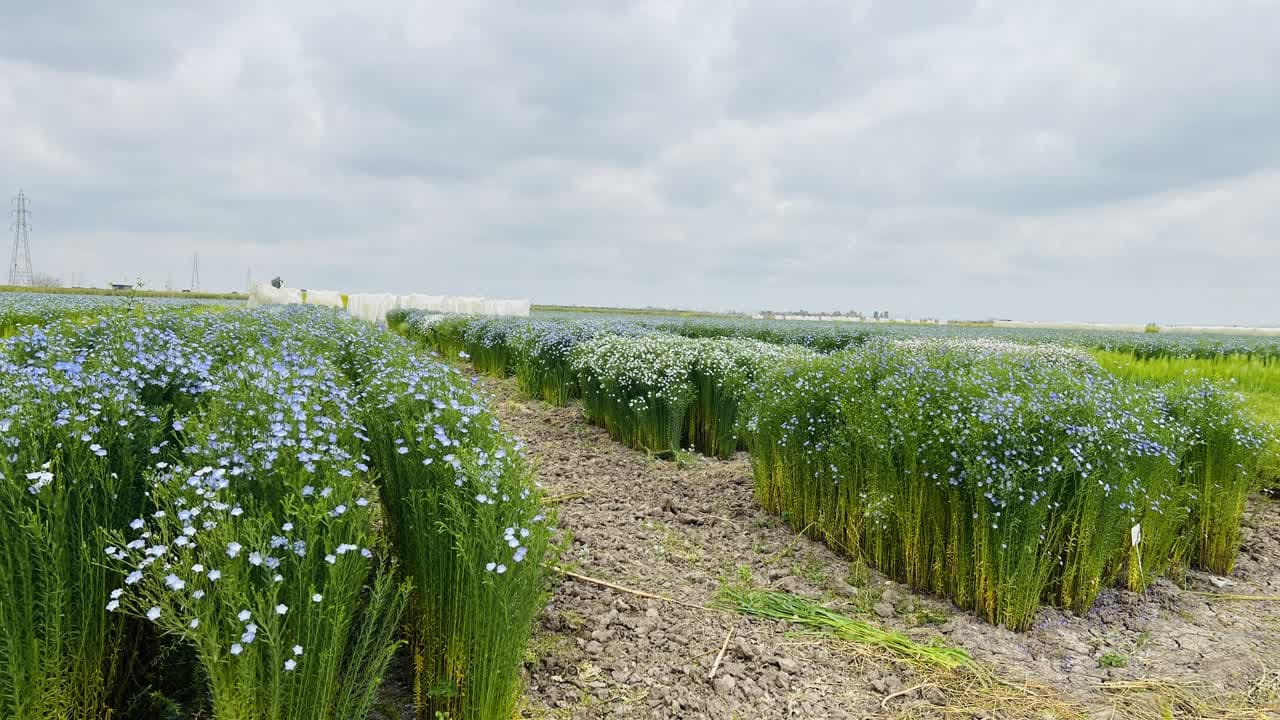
x=683 y=530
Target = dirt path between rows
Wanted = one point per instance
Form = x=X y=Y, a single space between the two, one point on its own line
x=685 y=529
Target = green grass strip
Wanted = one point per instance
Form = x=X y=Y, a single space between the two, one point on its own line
x=774 y=605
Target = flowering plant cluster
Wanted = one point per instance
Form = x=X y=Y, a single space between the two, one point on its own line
x=1002 y=467
x=663 y=392
x=536 y=351
x=653 y=390
x=724 y=374
x=77 y=433
x=19 y=310
x=1222 y=452
x=998 y=474
x=637 y=387
x=217 y=485
x=543 y=353
x=466 y=521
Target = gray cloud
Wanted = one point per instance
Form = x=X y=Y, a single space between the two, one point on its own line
x=991 y=158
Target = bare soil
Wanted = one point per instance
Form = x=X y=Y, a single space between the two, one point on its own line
x=683 y=529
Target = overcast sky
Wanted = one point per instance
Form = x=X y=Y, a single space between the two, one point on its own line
x=1026 y=159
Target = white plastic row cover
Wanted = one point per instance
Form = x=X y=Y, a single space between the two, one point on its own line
x=374 y=306
x=264 y=294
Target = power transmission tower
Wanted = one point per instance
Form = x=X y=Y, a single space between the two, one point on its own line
x=195 y=272
x=20 y=265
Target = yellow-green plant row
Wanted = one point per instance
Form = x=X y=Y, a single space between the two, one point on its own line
x=234 y=514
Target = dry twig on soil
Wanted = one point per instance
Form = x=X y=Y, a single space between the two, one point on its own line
x=720 y=655
x=631 y=591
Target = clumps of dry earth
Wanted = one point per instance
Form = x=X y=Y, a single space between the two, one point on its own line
x=685 y=530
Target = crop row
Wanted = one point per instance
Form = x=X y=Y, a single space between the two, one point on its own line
x=651 y=390
x=498 y=345
x=1003 y=475
x=1259 y=351
x=243 y=514
x=24 y=309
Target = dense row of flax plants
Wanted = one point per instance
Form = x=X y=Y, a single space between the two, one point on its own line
x=543 y=357
x=21 y=310
x=260 y=550
x=723 y=374
x=1002 y=476
x=654 y=391
x=1224 y=356
x=76 y=435
x=661 y=393
x=637 y=388
x=1262 y=350
x=827 y=337
x=464 y=516
x=1060 y=477
x=1223 y=453
x=1246 y=363
x=1256 y=375
x=536 y=352
x=202 y=490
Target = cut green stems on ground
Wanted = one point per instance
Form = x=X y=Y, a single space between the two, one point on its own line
x=774 y=605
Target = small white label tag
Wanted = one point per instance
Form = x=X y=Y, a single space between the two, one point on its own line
x=1135 y=534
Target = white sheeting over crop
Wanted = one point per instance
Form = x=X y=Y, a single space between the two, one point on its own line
x=374 y=306
x=264 y=294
